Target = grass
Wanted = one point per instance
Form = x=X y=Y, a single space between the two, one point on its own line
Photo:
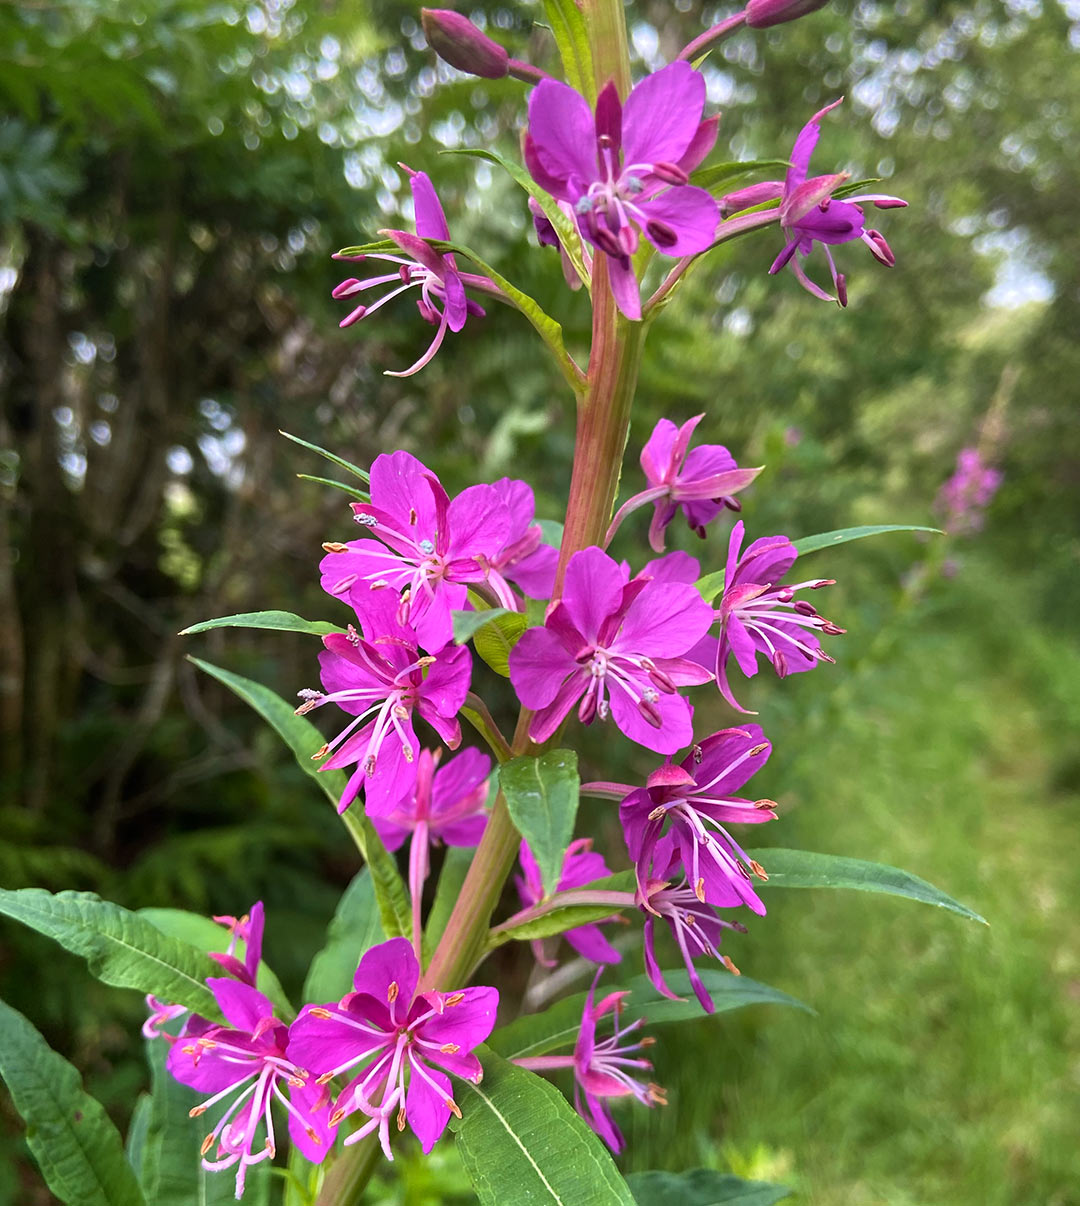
x=943 y=1068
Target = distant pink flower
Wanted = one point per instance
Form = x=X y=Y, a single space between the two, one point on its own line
x=693 y=800
x=759 y=614
x=442 y=300
x=395 y=1035
x=249 y=1051
x=604 y=1068
x=966 y=495
x=427 y=549
x=581 y=866
x=702 y=481
x=625 y=169
x=381 y=678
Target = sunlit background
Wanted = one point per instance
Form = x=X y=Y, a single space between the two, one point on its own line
x=173 y=177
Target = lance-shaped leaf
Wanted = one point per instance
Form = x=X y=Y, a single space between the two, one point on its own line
x=207 y=935
x=542 y=798
x=717 y=178
x=710 y=585
x=805 y=869
x=495 y=642
x=303 y=738
x=702 y=1187
x=826 y=540
x=351 y=491
x=355 y=928
x=572 y=39
x=281 y=621
x=77 y=1148
x=557 y=1027
x=521 y=1142
x=120 y=947
x=170 y=1168
x=340 y=461
x=567 y=910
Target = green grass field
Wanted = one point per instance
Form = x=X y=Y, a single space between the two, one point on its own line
x=943 y=1066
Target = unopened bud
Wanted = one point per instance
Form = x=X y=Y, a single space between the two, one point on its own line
x=457 y=41
x=760 y=14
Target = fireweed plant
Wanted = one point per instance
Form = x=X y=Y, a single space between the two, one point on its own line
x=401 y=1030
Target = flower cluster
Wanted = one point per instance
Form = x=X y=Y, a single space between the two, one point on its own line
x=963 y=499
x=254 y=1062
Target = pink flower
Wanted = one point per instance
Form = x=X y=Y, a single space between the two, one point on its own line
x=760 y=615
x=694 y=800
x=625 y=169
x=604 y=1068
x=250 y=1051
x=581 y=866
x=395 y=1035
x=614 y=645
x=442 y=300
x=524 y=559
x=382 y=679
x=966 y=495
x=427 y=548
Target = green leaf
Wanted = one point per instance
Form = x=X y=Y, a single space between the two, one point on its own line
x=281 y=621
x=825 y=540
x=120 y=947
x=77 y=1148
x=564 y=227
x=468 y=623
x=711 y=585
x=362 y=474
x=495 y=642
x=135 y=1142
x=354 y=929
x=717 y=178
x=805 y=869
x=522 y=1143
x=572 y=38
x=303 y=738
x=542 y=798
x=455 y=867
x=702 y=1187
x=206 y=935
x=558 y=1026
x=171 y=1168
x=551 y=532
x=568 y=917
x=360 y=495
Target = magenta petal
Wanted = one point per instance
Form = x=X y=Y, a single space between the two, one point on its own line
x=430 y=219
x=479 y=523
x=590 y=943
x=665 y=620
x=389 y=972
x=400 y=485
x=465 y=1025
x=563 y=132
x=804 y=147
x=673 y=567
x=657 y=457
x=624 y=286
x=676 y=729
x=319 y=1044
x=548 y=718
x=539 y=663
x=457 y=309
x=204 y=1070
x=425 y=1103
x=690 y=212
x=592 y=591
x=662 y=115
x=311 y=1130
x=700 y=145
x=243 y=1006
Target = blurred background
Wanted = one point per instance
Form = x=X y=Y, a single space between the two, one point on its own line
x=173 y=178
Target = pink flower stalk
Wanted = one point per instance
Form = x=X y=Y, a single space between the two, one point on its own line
x=581 y=866
x=702 y=481
x=810 y=214
x=524 y=559
x=604 y=1068
x=625 y=169
x=447 y=805
x=246 y=1062
x=614 y=646
x=966 y=495
x=760 y=615
x=395 y=1035
x=427 y=549
x=381 y=678
x=694 y=800
x=442 y=300
x=696 y=928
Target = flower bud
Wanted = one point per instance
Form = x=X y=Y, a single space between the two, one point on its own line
x=760 y=14
x=457 y=41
